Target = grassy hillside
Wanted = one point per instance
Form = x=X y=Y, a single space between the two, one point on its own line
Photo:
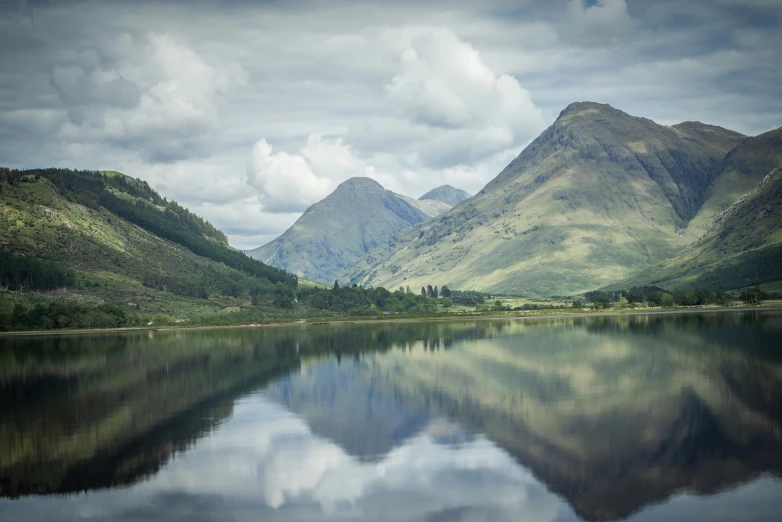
x=125 y=244
x=742 y=248
x=738 y=173
x=600 y=195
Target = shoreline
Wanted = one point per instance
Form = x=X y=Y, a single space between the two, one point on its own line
x=323 y=321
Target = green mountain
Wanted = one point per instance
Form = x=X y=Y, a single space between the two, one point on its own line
x=599 y=196
x=742 y=248
x=332 y=234
x=118 y=241
x=739 y=172
x=447 y=194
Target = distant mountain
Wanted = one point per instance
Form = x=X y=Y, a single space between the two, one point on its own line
x=742 y=248
x=447 y=194
x=430 y=207
x=125 y=243
x=332 y=234
x=599 y=196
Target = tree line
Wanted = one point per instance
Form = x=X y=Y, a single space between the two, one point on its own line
x=65 y=314
x=656 y=296
x=21 y=273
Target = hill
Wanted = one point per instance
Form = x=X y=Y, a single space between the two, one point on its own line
x=447 y=194
x=332 y=234
x=598 y=196
x=739 y=172
x=742 y=248
x=117 y=241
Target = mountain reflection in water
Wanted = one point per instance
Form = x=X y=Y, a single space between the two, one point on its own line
x=656 y=417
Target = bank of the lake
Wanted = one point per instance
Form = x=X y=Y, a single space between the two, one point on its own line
x=409 y=318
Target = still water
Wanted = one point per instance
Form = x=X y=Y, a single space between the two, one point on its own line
x=648 y=417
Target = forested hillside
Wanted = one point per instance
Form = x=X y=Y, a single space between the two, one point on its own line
x=108 y=238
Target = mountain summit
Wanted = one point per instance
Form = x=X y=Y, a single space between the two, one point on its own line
x=331 y=234
x=598 y=196
x=447 y=194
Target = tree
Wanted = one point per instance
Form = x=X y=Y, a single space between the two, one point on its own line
x=667 y=300
x=687 y=297
x=602 y=300
x=445 y=291
x=446 y=302
x=429 y=291
x=423 y=292
x=655 y=298
x=753 y=295
x=283 y=296
x=434 y=292
x=336 y=285
x=577 y=303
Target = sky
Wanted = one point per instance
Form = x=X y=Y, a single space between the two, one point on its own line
x=247 y=112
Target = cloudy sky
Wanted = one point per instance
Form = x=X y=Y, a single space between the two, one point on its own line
x=249 y=111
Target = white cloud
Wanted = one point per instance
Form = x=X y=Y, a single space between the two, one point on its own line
x=292 y=182
x=468 y=112
x=159 y=97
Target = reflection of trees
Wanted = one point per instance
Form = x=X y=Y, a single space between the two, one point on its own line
x=80 y=412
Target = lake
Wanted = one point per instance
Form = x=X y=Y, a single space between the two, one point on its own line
x=642 y=417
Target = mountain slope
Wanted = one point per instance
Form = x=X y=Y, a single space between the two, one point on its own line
x=597 y=197
x=447 y=194
x=742 y=248
x=125 y=243
x=430 y=207
x=357 y=217
x=739 y=172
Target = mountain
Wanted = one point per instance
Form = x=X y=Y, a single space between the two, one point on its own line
x=742 y=248
x=430 y=207
x=597 y=197
x=739 y=172
x=332 y=234
x=123 y=244
x=447 y=194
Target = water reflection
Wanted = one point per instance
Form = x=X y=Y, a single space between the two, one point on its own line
x=564 y=419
